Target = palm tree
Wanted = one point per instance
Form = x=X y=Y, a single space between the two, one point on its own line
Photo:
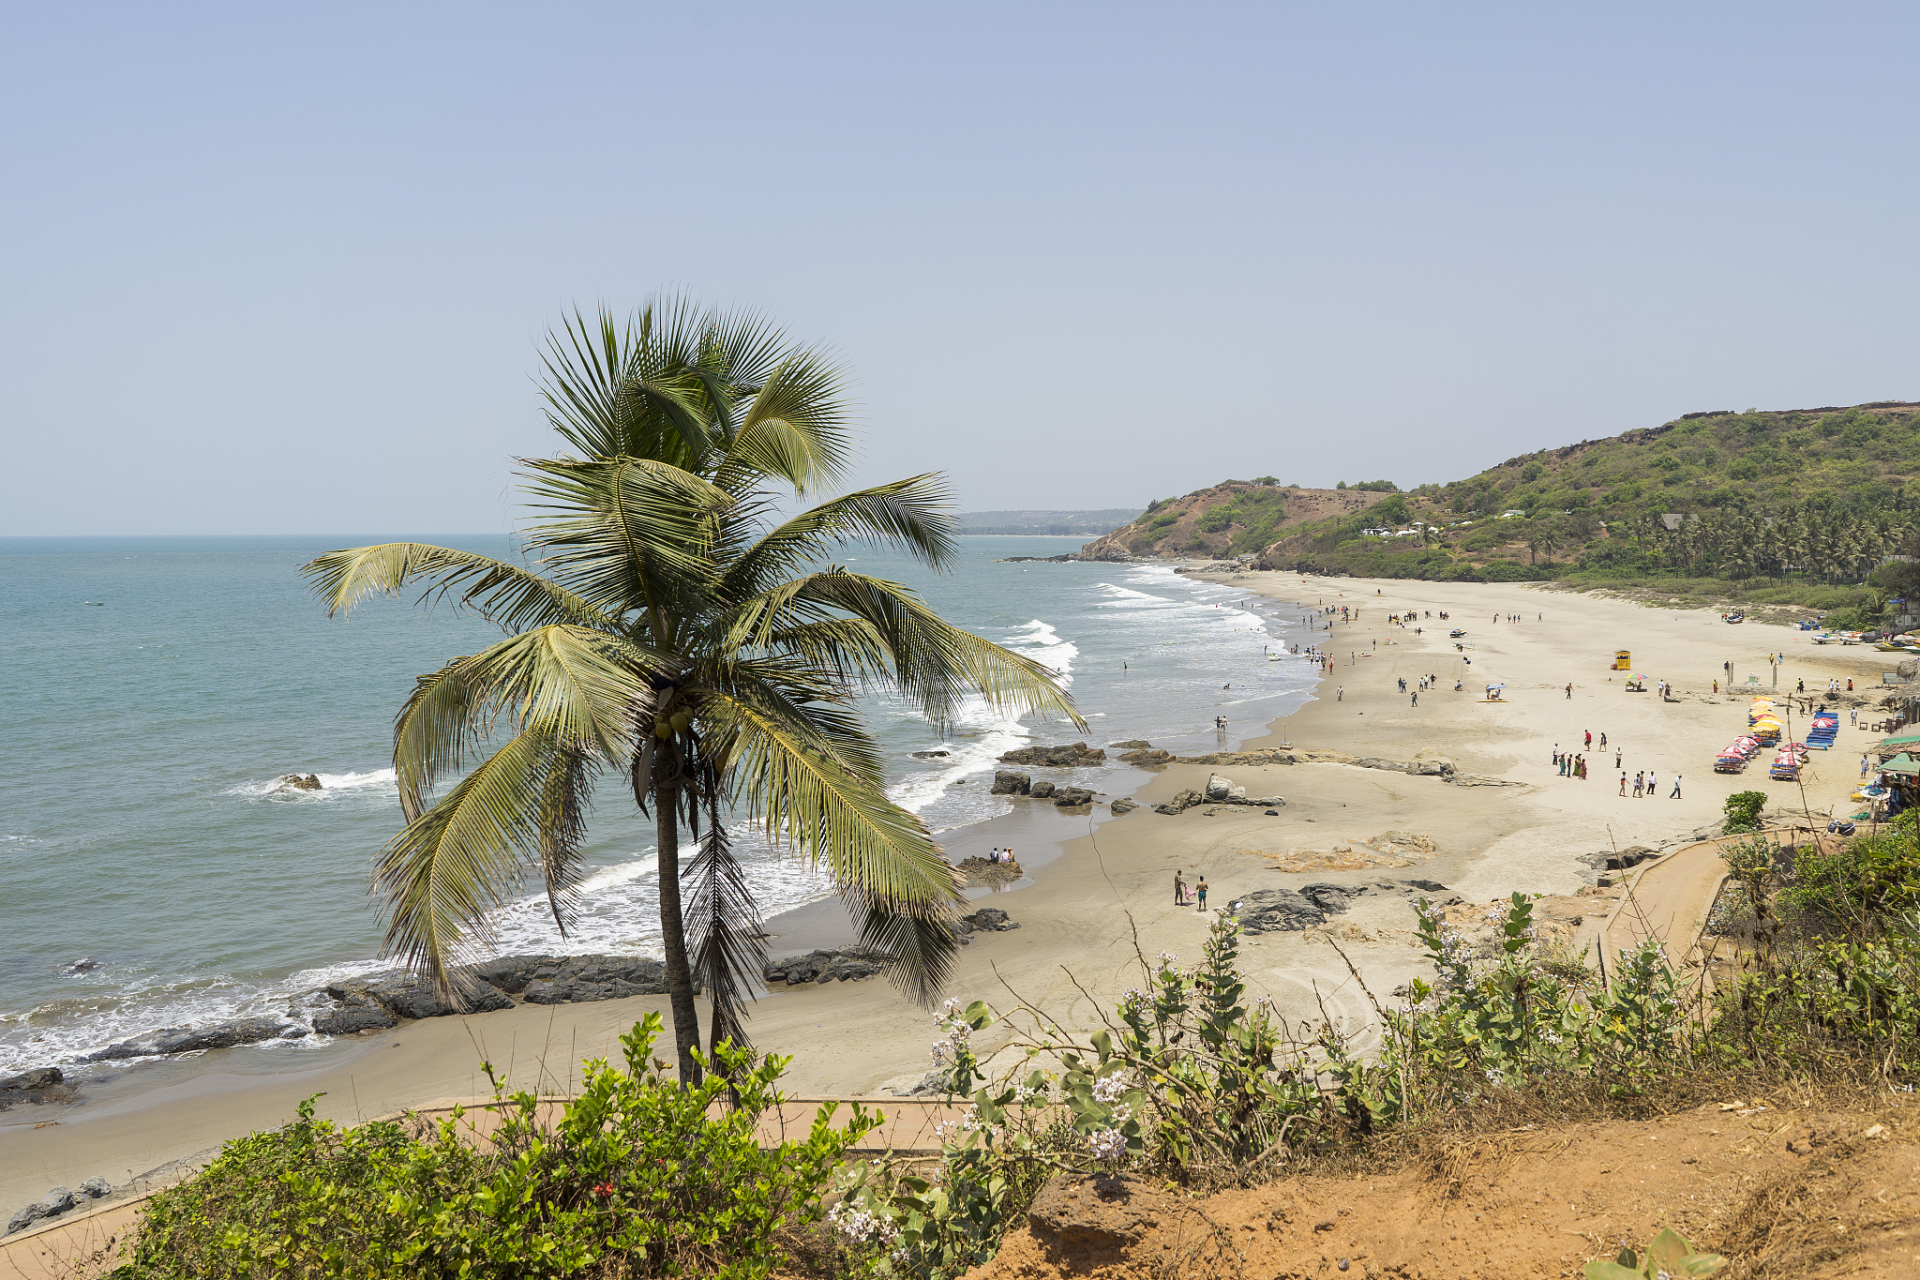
x=686 y=640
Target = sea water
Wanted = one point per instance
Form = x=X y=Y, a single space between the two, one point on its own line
x=152 y=691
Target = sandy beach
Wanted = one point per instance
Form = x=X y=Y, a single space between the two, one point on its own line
x=1095 y=880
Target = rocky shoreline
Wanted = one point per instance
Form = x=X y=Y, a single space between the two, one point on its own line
x=382 y=1002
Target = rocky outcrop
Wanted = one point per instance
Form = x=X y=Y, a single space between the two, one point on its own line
x=1122 y=805
x=1602 y=861
x=1219 y=791
x=1041 y=791
x=931 y=755
x=1073 y=755
x=978 y=873
x=1289 y=910
x=1130 y=744
x=221 y=1035
x=1181 y=802
x=1008 y=783
x=1148 y=758
x=1069 y=797
x=57 y=1201
x=297 y=782
x=41 y=1086
x=848 y=964
x=989 y=920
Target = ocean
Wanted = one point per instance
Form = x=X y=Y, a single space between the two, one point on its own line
x=153 y=690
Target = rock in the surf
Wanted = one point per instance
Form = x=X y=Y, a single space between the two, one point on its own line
x=1008 y=783
x=298 y=782
x=1069 y=756
x=221 y=1035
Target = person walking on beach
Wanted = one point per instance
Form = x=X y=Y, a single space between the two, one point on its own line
x=1623 y=783
x=1201 y=890
x=1639 y=781
x=1340 y=693
x=1676 y=788
x=1616 y=759
x=1179 y=890
x=1589 y=739
x=1569 y=692
x=1416 y=699
x=1653 y=782
x=1603 y=742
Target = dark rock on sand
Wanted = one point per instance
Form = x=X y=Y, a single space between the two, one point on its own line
x=1278 y=911
x=222 y=1035
x=42 y=1086
x=978 y=873
x=1122 y=805
x=1604 y=860
x=1067 y=797
x=1147 y=757
x=584 y=979
x=991 y=920
x=57 y=1201
x=848 y=964
x=1074 y=754
x=31 y=1081
x=1008 y=783
x=1331 y=898
x=1041 y=790
x=1182 y=802
x=351 y=1020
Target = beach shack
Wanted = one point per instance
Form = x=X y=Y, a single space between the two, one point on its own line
x=1623 y=660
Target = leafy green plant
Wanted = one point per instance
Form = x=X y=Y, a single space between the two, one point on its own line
x=1669 y=1257
x=637 y=1176
x=1743 y=811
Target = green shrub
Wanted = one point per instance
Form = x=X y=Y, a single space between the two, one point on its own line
x=638 y=1176
x=1743 y=811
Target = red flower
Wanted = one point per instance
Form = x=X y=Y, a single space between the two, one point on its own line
x=603 y=1190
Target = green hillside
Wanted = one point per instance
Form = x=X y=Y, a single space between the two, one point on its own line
x=1794 y=506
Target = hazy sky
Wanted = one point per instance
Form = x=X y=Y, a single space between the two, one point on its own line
x=276 y=268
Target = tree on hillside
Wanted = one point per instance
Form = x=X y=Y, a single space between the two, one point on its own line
x=684 y=639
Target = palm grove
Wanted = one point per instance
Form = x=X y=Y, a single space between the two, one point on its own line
x=673 y=632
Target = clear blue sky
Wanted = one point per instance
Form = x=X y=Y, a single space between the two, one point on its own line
x=276 y=268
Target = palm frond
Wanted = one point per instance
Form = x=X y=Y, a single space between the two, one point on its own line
x=796 y=427
x=723 y=933
x=934 y=662
x=912 y=515
x=921 y=947
x=460 y=859
x=626 y=532
x=880 y=856
x=507 y=594
x=583 y=689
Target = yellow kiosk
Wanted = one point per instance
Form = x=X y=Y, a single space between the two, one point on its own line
x=1622 y=660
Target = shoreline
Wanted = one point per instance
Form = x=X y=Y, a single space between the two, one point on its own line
x=1091 y=876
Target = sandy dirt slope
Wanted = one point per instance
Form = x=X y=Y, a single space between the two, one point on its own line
x=1779 y=1191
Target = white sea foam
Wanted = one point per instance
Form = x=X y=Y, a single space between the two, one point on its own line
x=333 y=786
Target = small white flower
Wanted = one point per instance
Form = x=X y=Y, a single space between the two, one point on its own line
x=1107 y=1144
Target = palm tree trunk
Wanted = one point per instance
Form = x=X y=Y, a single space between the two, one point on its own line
x=673 y=935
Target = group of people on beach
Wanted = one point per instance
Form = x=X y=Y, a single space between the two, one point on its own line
x=1185 y=896
x=999 y=855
